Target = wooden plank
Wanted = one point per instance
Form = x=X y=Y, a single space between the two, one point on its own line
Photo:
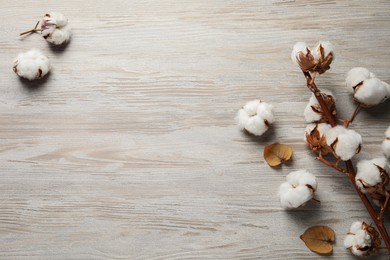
x=129 y=149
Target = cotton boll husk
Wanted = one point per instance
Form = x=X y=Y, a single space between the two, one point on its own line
x=348 y=141
x=302 y=178
x=368 y=171
x=298 y=47
x=322 y=128
x=372 y=92
x=31 y=65
x=357 y=75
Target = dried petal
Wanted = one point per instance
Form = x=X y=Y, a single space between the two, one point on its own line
x=276 y=154
x=319 y=239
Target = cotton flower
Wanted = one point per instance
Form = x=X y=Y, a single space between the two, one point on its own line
x=318 y=60
x=255 y=117
x=55 y=28
x=362 y=239
x=344 y=142
x=298 y=189
x=31 y=65
x=313 y=111
x=367 y=89
x=386 y=143
x=356 y=76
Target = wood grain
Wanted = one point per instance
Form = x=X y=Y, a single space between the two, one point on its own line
x=129 y=149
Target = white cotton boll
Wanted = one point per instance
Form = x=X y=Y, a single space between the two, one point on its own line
x=255 y=117
x=55 y=28
x=302 y=178
x=297 y=190
x=348 y=141
x=355 y=227
x=298 y=47
x=31 y=65
x=368 y=171
x=356 y=75
x=372 y=92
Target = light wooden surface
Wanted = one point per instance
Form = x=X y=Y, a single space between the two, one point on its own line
x=130 y=150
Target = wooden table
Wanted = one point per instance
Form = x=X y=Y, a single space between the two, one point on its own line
x=129 y=148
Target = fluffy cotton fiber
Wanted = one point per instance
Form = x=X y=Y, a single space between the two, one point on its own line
x=386 y=143
x=313 y=111
x=31 y=65
x=367 y=89
x=55 y=28
x=368 y=171
x=255 y=117
x=345 y=142
x=298 y=189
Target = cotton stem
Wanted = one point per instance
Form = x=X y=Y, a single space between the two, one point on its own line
x=32 y=30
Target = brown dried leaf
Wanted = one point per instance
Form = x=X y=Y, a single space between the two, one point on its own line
x=319 y=239
x=276 y=154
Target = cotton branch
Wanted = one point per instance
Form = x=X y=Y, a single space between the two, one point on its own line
x=351 y=173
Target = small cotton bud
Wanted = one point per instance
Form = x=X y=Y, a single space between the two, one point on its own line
x=356 y=76
x=298 y=189
x=386 y=143
x=313 y=111
x=255 y=117
x=299 y=47
x=55 y=28
x=31 y=65
x=362 y=239
x=327 y=50
x=371 y=92
x=345 y=142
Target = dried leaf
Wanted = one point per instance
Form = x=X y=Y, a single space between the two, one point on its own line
x=276 y=154
x=319 y=239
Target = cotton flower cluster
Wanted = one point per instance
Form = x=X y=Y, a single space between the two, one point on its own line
x=367 y=89
x=31 y=65
x=313 y=112
x=55 y=28
x=317 y=60
x=386 y=143
x=372 y=178
x=342 y=142
x=362 y=239
x=255 y=117
x=298 y=189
